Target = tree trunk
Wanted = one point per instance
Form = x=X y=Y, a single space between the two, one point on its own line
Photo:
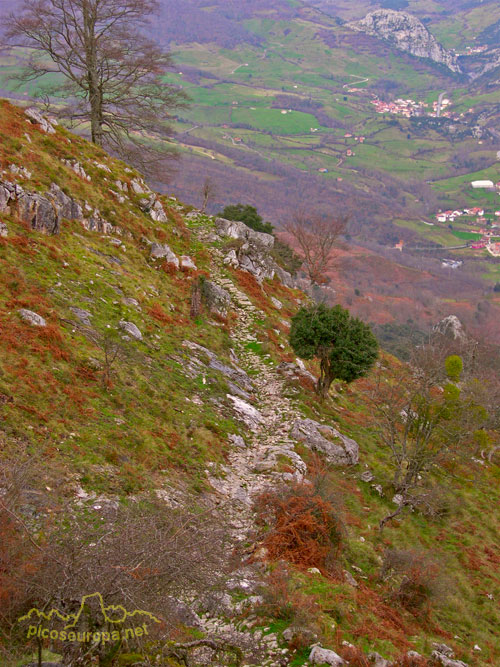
x=325 y=379
x=94 y=91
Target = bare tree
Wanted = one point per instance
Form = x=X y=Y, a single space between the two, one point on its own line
x=146 y=555
x=112 y=349
x=208 y=192
x=427 y=424
x=113 y=74
x=316 y=236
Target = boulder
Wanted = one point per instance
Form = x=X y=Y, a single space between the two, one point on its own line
x=246 y=412
x=276 y=303
x=131 y=329
x=32 y=318
x=322 y=656
x=187 y=263
x=216 y=298
x=256 y=260
x=163 y=251
x=4 y=232
x=36 y=118
x=337 y=448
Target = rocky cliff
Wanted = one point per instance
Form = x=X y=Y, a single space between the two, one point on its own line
x=407 y=33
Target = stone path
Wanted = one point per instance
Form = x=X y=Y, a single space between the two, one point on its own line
x=255 y=467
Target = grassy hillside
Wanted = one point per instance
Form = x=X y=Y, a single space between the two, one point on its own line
x=163 y=418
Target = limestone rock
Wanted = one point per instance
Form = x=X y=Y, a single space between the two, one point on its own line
x=129 y=301
x=238 y=230
x=350 y=579
x=322 y=656
x=83 y=315
x=152 y=205
x=36 y=118
x=6 y=195
x=285 y=277
x=292 y=370
x=337 y=448
x=253 y=255
x=78 y=169
x=407 y=33
x=246 y=412
x=67 y=207
x=276 y=303
x=32 y=318
x=235 y=373
x=187 y=263
x=139 y=187
x=163 y=251
x=19 y=171
x=39 y=213
x=216 y=298
x=4 y=232
x=131 y=329
x=452 y=328
x=377 y=660
x=237 y=441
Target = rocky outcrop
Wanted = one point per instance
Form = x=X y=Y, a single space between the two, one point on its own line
x=39 y=212
x=408 y=34
x=338 y=449
x=153 y=206
x=252 y=253
x=451 y=327
x=163 y=251
x=42 y=212
x=36 y=118
x=215 y=298
x=233 y=373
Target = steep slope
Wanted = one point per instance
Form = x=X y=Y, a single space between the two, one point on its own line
x=408 y=34
x=144 y=347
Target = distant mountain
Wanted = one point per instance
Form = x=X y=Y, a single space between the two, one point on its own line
x=407 y=33
x=218 y=21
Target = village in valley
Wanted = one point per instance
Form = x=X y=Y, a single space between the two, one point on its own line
x=410 y=108
x=483 y=227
